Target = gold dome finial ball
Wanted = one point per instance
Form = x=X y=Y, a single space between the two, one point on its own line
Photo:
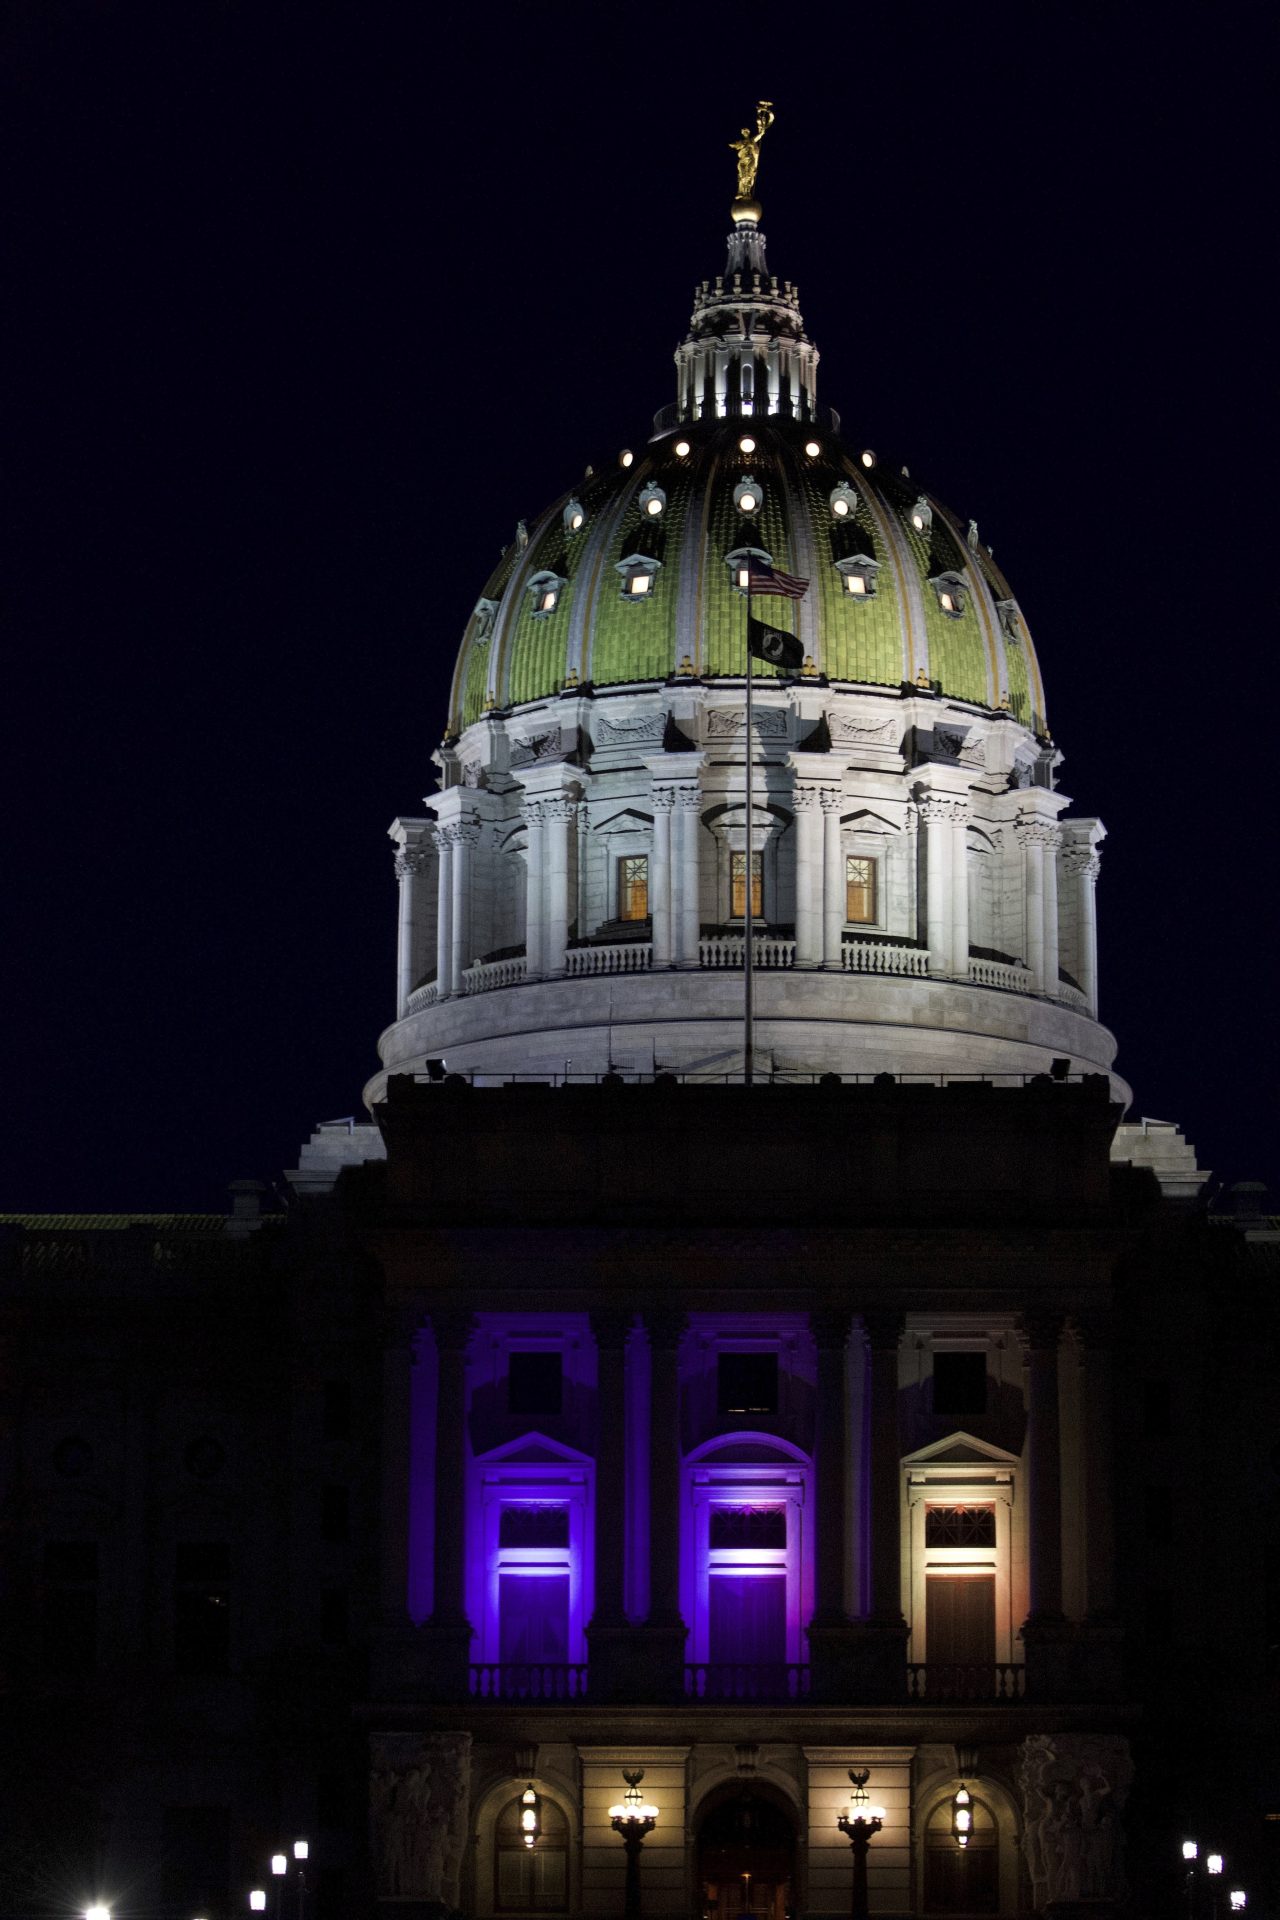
x=747 y=213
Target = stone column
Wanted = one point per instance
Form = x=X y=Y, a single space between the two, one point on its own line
x=664 y=800
x=1053 y=840
x=561 y=815
x=465 y=839
x=665 y=1329
x=1093 y=1334
x=935 y=812
x=831 y=1336
x=611 y=1328
x=1041 y=1329
x=444 y=913
x=884 y=1333
x=809 y=876
x=1040 y=840
x=960 y=889
x=412 y=865
x=834 y=903
x=452 y=1328
x=1081 y=865
x=690 y=803
x=534 y=917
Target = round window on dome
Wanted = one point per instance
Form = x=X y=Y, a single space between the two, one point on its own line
x=921 y=515
x=682 y=449
x=843 y=501
x=748 y=496
x=652 y=502
x=812 y=448
x=746 y=444
x=867 y=457
x=575 y=517
x=626 y=457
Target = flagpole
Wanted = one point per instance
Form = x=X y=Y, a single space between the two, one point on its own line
x=748 y=1006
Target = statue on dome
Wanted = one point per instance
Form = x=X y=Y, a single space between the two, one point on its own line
x=747 y=149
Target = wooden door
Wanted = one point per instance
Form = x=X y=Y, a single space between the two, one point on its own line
x=960 y=1620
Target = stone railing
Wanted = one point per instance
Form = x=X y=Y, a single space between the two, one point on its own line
x=486 y=975
x=627 y=956
x=880 y=956
x=423 y=997
x=940 y=1682
x=733 y=1680
x=726 y=950
x=540 y=1681
x=1072 y=997
x=998 y=973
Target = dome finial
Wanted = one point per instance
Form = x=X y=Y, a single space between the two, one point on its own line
x=747 y=147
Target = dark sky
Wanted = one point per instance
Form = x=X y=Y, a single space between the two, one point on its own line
x=306 y=305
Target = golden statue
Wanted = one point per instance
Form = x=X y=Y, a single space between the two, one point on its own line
x=748 y=149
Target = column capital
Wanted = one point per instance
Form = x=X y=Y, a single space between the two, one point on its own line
x=1037 y=833
x=806 y=799
x=535 y=812
x=458 y=833
x=932 y=807
x=688 y=797
x=662 y=799
x=453 y=1328
x=883 y=1327
x=665 y=1327
x=560 y=806
x=412 y=861
x=1081 y=860
x=611 y=1328
x=831 y=799
x=829 y=1326
x=1041 y=1327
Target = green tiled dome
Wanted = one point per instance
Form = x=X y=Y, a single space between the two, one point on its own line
x=600 y=634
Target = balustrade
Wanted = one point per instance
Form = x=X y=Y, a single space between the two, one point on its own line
x=628 y=956
x=504 y=1680
x=488 y=974
x=998 y=973
x=937 y=1682
x=423 y=997
x=720 y=1680
x=728 y=950
x=880 y=956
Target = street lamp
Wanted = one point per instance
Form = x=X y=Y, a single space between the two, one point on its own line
x=860 y=1826
x=634 y=1819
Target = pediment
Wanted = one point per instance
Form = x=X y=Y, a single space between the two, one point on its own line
x=535 y=1449
x=961 y=1450
x=626 y=820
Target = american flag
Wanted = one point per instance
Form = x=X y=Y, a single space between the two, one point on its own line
x=765 y=579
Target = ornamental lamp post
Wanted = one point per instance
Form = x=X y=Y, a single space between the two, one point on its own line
x=1190 y=1855
x=634 y=1819
x=860 y=1826
x=962 y=1815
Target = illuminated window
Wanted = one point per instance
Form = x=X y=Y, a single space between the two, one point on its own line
x=681 y=449
x=953 y=594
x=738 y=886
x=843 y=501
x=921 y=515
x=544 y=591
x=652 y=502
x=947 y=602
x=633 y=887
x=636 y=575
x=748 y=495
x=812 y=448
x=531 y=1879
x=640 y=583
x=960 y=1526
x=859 y=890
x=858 y=575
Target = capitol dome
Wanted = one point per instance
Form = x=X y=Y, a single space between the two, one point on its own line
x=580 y=894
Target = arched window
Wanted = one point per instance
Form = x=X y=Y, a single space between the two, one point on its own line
x=531 y=1879
x=961 y=1879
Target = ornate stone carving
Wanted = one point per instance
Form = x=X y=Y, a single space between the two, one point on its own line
x=847 y=726
x=1081 y=860
x=459 y=833
x=628 y=728
x=560 y=807
x=419 y=1787
x=805 y=799
x=1038 y=833
x=947 y=744
x=690 y=798
x=1074 y=1787
x=973 y=753
x=535 y=813
x=724 y=723
x=937 y=806
x=412 y=861
x=662 y=799
x=473 y=773
x=832 y=799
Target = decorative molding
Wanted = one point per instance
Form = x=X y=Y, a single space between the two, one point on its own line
x=936 y=806
x=560 y=807
x=472 y=773
x=630 y=727
x=1038 y=833
x=726 y=722
x=832 y=799
x=412 y=861
x=1081 y=860
x=662 y=799
x=806 y=799
x=973 y=753
x=847 y=726
x=689 y=798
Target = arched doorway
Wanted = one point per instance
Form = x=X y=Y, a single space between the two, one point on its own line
x=746 y=1860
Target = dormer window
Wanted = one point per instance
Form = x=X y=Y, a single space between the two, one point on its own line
x=484 y=616
x=921 y=515
x=652 y=502
x=858 y=574
x=575 y=517
x=843 y=501
x=740 y=562
x=636 y=575
x=544 y=591
x=952 y=592
x=1010 y=624
x=748 y=495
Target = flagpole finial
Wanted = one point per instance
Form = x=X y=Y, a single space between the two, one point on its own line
x=746 y=208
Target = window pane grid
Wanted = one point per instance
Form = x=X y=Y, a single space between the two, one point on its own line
x=738 y=884
x=633 y=887
x=860 y=890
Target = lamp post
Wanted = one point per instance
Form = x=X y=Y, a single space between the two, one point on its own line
x=634 y=1819
x=530 y=1825
x=962 y=1815
x=302 y=1853
x=1190 y=1855
x=860 y=1826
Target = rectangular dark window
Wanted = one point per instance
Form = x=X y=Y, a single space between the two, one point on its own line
x=335 y=1514
x=959 y=1383
x=959 y=1526
x=202 y=1607
x=335 y=1617
x=748 y=1527
x=533 y=1526
x=69 y=1613
x=748 y=1382
x=1157 y=1514
x=195 y=1852
x=535 y=1383
x=1157 y=1409
x=335 y=1414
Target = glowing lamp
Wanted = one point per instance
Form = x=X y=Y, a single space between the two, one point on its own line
x=1213 y=1863
x=1190 y=1851
x=653 y=506
x=812 y=448
x=258 y=1900
x=529 y=1815
x=301 y=1850
x=746 y=444
x=1239 y=1899
x=867 y=458
x=575 y=522
x=744 y=578
x=917 y=521
x=631 y=1806
x=747 y=503
x=279 y=1864
x=98 y=1912
x=682 y=449
x=840 y=508
x=855 y=583
x=962 y=1815
x=626 y=457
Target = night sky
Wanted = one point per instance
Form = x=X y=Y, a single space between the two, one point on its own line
x=307 y=305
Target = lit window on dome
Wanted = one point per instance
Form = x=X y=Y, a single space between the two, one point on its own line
x=843 y=501
x=859 y=890
x=652 y=502
x=854 y=583
x=746 y=444
x=547 y=600
x=636 y=574
x=867 y=457
x=738 y=886
x=682 y=449
x=575 y=516
x=743 y=578
x=858 y=573
x=653 y=506
x=812 y=448
x=626 y=457
x=544 y=591
x=921 y=515
x=953 y=595
x=633 y=887
x=640 y=583
x=748 y=503
x=840 y=507
x=748 y=496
